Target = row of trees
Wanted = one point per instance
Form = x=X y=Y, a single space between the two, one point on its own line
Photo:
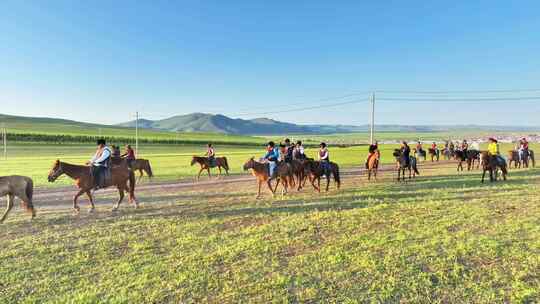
x=74 y=139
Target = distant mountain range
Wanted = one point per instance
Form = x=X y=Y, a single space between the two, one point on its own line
x=201 y=122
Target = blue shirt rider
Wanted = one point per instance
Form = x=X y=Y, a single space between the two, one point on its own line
x=100 y=162
x=272 y=156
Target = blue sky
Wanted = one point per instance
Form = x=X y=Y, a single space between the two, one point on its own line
x=100 y=61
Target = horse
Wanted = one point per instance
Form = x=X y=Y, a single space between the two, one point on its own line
x=420 y=153
x=402 y=164
x=261 y=171
x=84 y=180
x=490 y=163
x=315 y=170
x=513 y=157
x=373 y=165
x=140 y=164
x=434 y=154
x=469 y=156
x=531 y=157
x=204 y=162
x=299 y=170
x=17 y=186
x=447 y=153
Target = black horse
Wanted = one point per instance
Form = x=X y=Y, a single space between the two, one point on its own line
x=491 y=164
x=403 y=163
x=468 y=156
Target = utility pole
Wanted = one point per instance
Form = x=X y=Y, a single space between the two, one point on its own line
x=137 y=133
x=4 y=140
x=372 y=123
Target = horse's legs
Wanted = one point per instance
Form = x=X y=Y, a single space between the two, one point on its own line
x=120 y=199
x=140 y=175
x=10 y=198
x=327 y=182
x=483 y=175
x=200 y=172
x=75 y=198
x=219 y=170
x=269 y=183
x=209 y=173
x=91 y=200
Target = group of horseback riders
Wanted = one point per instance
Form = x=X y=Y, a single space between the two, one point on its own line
x=287 y=152
x=105 y=157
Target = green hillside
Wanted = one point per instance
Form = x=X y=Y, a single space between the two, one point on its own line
x=51 y=129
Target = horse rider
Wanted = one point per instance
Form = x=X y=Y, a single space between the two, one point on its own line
x=100 y=162
x=434 y=147
x=289 y=151
x=298 y=151
x=406 y=152
x=373 y=151
x=523 y=148
x=116 y=152
x=211 y=154
x=272 y=157
x=129 y=156
x=494 y=152
x=324 y=157
x=464 y=146
x=283 y=153
x=451 y=147
x=419 y=149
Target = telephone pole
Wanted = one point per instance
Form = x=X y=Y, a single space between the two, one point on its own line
x=372 y=123
x=137 y=133
x=4 y=140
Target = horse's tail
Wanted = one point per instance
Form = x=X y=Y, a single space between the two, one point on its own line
x=149 y=169
x=225 y=164
x=29 y=191
x=337 y=178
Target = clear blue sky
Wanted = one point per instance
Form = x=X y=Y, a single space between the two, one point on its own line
x=100 y=61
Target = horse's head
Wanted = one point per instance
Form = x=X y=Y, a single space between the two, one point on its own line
x=194 y=160
x=249 y=164
x=55 y=171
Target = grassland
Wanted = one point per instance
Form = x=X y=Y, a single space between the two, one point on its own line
x=169 y=162
x=444 y=238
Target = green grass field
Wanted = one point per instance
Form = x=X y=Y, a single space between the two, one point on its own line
x=444 y=238
x=169 y=162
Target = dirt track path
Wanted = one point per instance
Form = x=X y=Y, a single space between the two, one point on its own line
x=61 y=197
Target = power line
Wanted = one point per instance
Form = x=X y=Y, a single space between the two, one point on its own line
x=529 y=98
x=304 y=108
x=457 y=91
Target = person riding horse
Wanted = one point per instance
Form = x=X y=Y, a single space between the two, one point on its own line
x=373 y=151
x=523 y=149
x=298 y=151
x=100 y=163
x=211 y=154
x=129 y=156
x=406 y=152
x=464 y=146
x=494 y=152
x=324 y=158
x=272 y=157
x=419 y=149
x=289 y=151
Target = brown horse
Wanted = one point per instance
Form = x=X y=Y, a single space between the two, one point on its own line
x=17 y=186
x=435 y=154
x=315 y=170
x=299 y=170
x=204 y=162
x=120 y=176
x=490 y=163
x=140 y=164
x=373 y=165
x=513 y=157
x=261 y=171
